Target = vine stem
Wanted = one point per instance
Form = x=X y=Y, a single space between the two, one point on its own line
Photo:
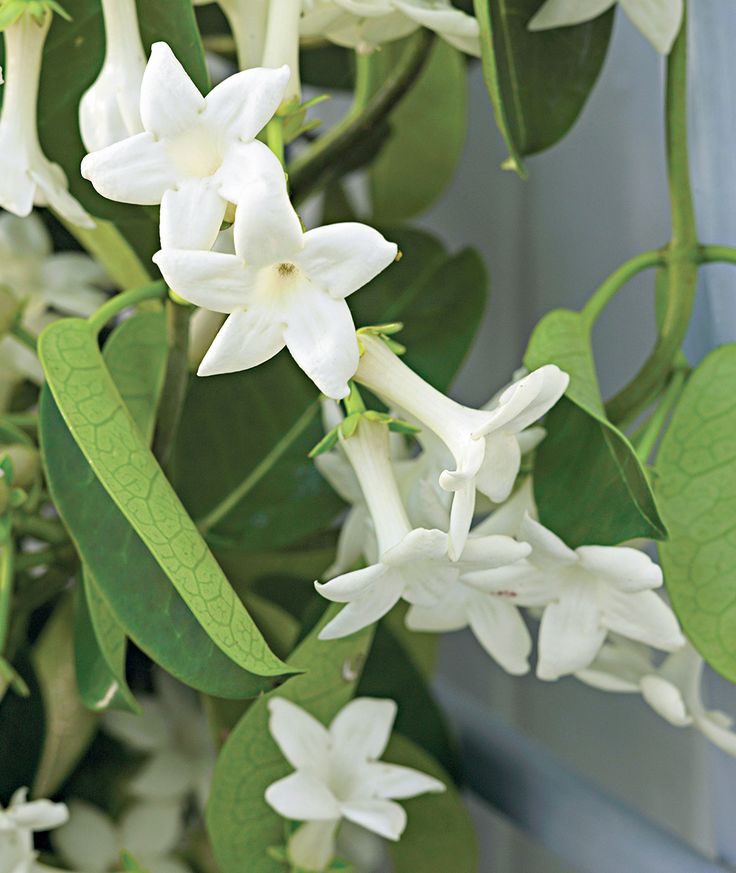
x=682 y=253
x=116 y=304
x=24 y=336
x=717 y=254
x=650 y=434
x=613 y=284
x=215 y=515
x=311 y=168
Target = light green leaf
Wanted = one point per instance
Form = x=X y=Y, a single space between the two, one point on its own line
x=696 y=486
x=115 y=450
x=439 y=836
x=538 y=82
x=407 y=177
x=241 y=824
x=584 y=454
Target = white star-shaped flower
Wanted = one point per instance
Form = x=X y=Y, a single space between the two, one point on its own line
x=18 y=823
x=366 y=24
x=484 y=443
x=92 y=841
x=284 y=287
x=197 y=154
x=658 y=20
x=28 y=177
x=338 y=775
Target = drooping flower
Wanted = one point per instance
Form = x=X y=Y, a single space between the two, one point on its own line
x=672 y=688
x=284 y=287
x=585 y=594
x=109 y=110
x=28 y=177
x=197 y=154
x=92 y=841
x=413 y=563
x=367 y=24
x=658 y=20
x=18 y=823
x=483 y=443
x=338 y=775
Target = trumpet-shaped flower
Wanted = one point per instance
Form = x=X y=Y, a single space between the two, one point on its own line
x=338 y=775
x=672 y=689
x=196 y=154
x=483 y=443
x=281 y=45
x=92 y=841
x=413 y=562
x=248 y=20
x=658 y=20
x=284 y=287
x=585 y=593
x=18 y=823
x=366 y=24
x=28 y=177
x=110 y=108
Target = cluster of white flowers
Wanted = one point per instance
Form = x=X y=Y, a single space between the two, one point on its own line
x=18 y=823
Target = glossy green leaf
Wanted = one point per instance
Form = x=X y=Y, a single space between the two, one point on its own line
x=584 y=454
x=241 y=824
x=144 y=602
x=72 y=59
x=439 y=835
x=22 y=727
x=696 y=487
x=241 y=416
x=538 y=82
x=407 y=177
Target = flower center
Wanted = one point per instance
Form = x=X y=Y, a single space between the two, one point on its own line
x=196 y=152
x=286 y=269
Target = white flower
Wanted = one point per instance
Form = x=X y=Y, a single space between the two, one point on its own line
x=658 y=20
x=281 y=45
x=92 y=841
x=338 y=776
x=483 y=443
x=110 y=108
x=672 y=689
x=248 y=21
x=173 y=732
x=284 y=287
x=586 y=593
x=367 y=24
x=28 y=177
x=197 y=154
x=413 y=562
x=17 y=825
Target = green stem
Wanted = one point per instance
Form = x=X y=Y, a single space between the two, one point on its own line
x=259 y=471
x=49 y=556
x=646 y=443
x=25 y=420
x=25 y=336
x=151 y=291
x=717 y=254
x=610 y=287
x=175 y=383
x=321 y=162
x=682 y=252
x=275 y=137
x=41 y=528
x=6 y=588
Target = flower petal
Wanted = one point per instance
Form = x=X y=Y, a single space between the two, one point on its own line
x=243 y=166
x=303 y=740
x=149 y=732
x=418 y=545
x=548 y=550
x=352 y=541
x=164 y=776
x=24 y=237
x=624 y=568
x=522 y=584
x=343 y=589
x=88 y=841
x=135 y=170
x=247 y=339
x=52 y=189
x=446 y=615
x=242 y=104
x=618 y=667
x=341 y=258
x=39 y=815
x=711 y=727
x=666 y=700
x=170 y=101
x=363 y=727
x=320 y=335
x=365 y=609
x=191 y=215
x=500 y=466
x=642 y=616
x=151 y=829
x=312 y=845
x=500 y=629
x=507 y=518
x=495 y=550
x=394 y=782
x=527 y=400
x=267 y=228
x=303 y=797
x=383 y=817
x=212 y=280
x=571 y=633
x=562 y=13
x=462 y=511
x=452 y=24
x=658 y=20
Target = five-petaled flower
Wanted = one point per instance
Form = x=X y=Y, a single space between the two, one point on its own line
x=338 y=775
x=196 y=154
x=18 y=822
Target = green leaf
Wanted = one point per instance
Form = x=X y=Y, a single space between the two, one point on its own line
x=144 y=602
x=72 y=59
x=584 y=454
x=696 y=486
x=538 y=82
x=407 y=177
x=22 y=728
x=241 y=824
x=439 y=836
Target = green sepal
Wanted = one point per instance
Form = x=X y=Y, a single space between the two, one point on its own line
x=10 y=677
x=294 y=118
x=327 y=443
x=11 y=11
x=349 y=425
x=384 y=332
x=130 y=864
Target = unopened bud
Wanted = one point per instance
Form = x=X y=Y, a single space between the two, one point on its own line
x=26 y=463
